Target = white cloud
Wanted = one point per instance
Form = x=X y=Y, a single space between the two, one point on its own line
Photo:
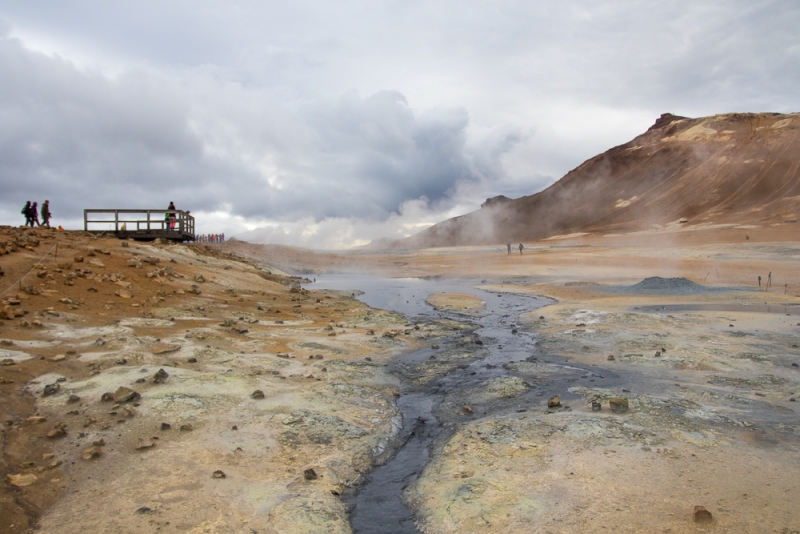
x=329 y=124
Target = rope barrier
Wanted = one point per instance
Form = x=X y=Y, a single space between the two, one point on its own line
x=32 y=269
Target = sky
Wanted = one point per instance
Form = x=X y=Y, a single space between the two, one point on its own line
x=328 y=125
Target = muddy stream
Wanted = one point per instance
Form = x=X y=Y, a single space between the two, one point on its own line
x=433 y=408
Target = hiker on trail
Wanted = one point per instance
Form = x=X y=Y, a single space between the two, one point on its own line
x=35 y=214
x=46 y=214
x=509 y=247
x=759 y=280
x=26 y=211
x=520 y=249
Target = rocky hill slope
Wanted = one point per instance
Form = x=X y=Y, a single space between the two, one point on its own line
x=733 y=169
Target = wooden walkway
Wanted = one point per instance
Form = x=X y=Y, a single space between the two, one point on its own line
x=144 y=225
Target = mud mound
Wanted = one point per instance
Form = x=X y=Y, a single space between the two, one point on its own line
x=671 y=286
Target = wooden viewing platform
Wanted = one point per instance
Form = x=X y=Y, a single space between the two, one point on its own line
x=143 y=225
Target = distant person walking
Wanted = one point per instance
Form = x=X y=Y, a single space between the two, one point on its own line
x=520 y=249
x=759 y=280
x=769 y=277
x=46 y=214
x=26 y=211
x=508 y=245
x=35 y=214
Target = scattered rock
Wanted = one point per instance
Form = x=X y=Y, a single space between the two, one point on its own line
x=107 y=397
x=187 y=427
x=164 y=349
x=596 y=406
x=310 y=474
x=192 y=360
x=21 y=481
x=73 y=399
x=554 y=401
x=144 y=509
x=160 y=377
x=51 y=389
x=701 y=515
x=124 y=293
x=199 y=278
x=618 y=404
x=218 y=474
x=91 y=453
x=35 y=420
x=435 y=347
x=58 y=358
x=144 y=443
x=166 y=426
x=58 y=432
x=611 y=358
x=78 y=259
x=257 y=394
x=658 y=354
x=99 y=442
x=125 y=394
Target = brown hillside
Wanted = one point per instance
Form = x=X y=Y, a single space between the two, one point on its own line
x=733 y=169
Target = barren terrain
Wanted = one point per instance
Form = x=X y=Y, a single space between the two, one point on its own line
x=276 y=401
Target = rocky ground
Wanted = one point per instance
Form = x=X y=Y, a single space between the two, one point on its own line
x=709 y=418
x=175 y=388
x=274 y=400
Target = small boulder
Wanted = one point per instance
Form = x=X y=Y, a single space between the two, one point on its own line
x=554 y=401
x=160 y=377
x=310 y=474
x=618 y=404
x=257 y=394
x=219 y=473
x=701 y=515
x=51 y=389
x=144 y=443
x=125 y=394
x=21 y=480
x=91 y=453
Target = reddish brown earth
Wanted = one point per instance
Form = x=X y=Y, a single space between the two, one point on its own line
x=732 y=169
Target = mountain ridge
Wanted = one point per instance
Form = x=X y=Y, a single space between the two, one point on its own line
x=730 y=169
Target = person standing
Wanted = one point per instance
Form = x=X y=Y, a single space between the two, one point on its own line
x=508 y=245
x=46 y=214
x=520 y=249
x=169 y=217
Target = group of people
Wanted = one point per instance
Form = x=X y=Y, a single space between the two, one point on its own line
x=31 y=213
x=508 y=245
x=210 y=238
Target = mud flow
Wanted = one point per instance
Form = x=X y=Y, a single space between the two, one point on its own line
x=460 y=379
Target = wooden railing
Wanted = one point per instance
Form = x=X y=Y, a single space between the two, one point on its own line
x=140 y=222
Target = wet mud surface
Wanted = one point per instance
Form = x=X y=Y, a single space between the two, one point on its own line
x=711 y=416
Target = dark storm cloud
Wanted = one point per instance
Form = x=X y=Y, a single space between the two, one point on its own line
x=135 y=140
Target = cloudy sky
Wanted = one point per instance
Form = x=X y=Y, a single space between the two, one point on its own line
x=328 y=124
